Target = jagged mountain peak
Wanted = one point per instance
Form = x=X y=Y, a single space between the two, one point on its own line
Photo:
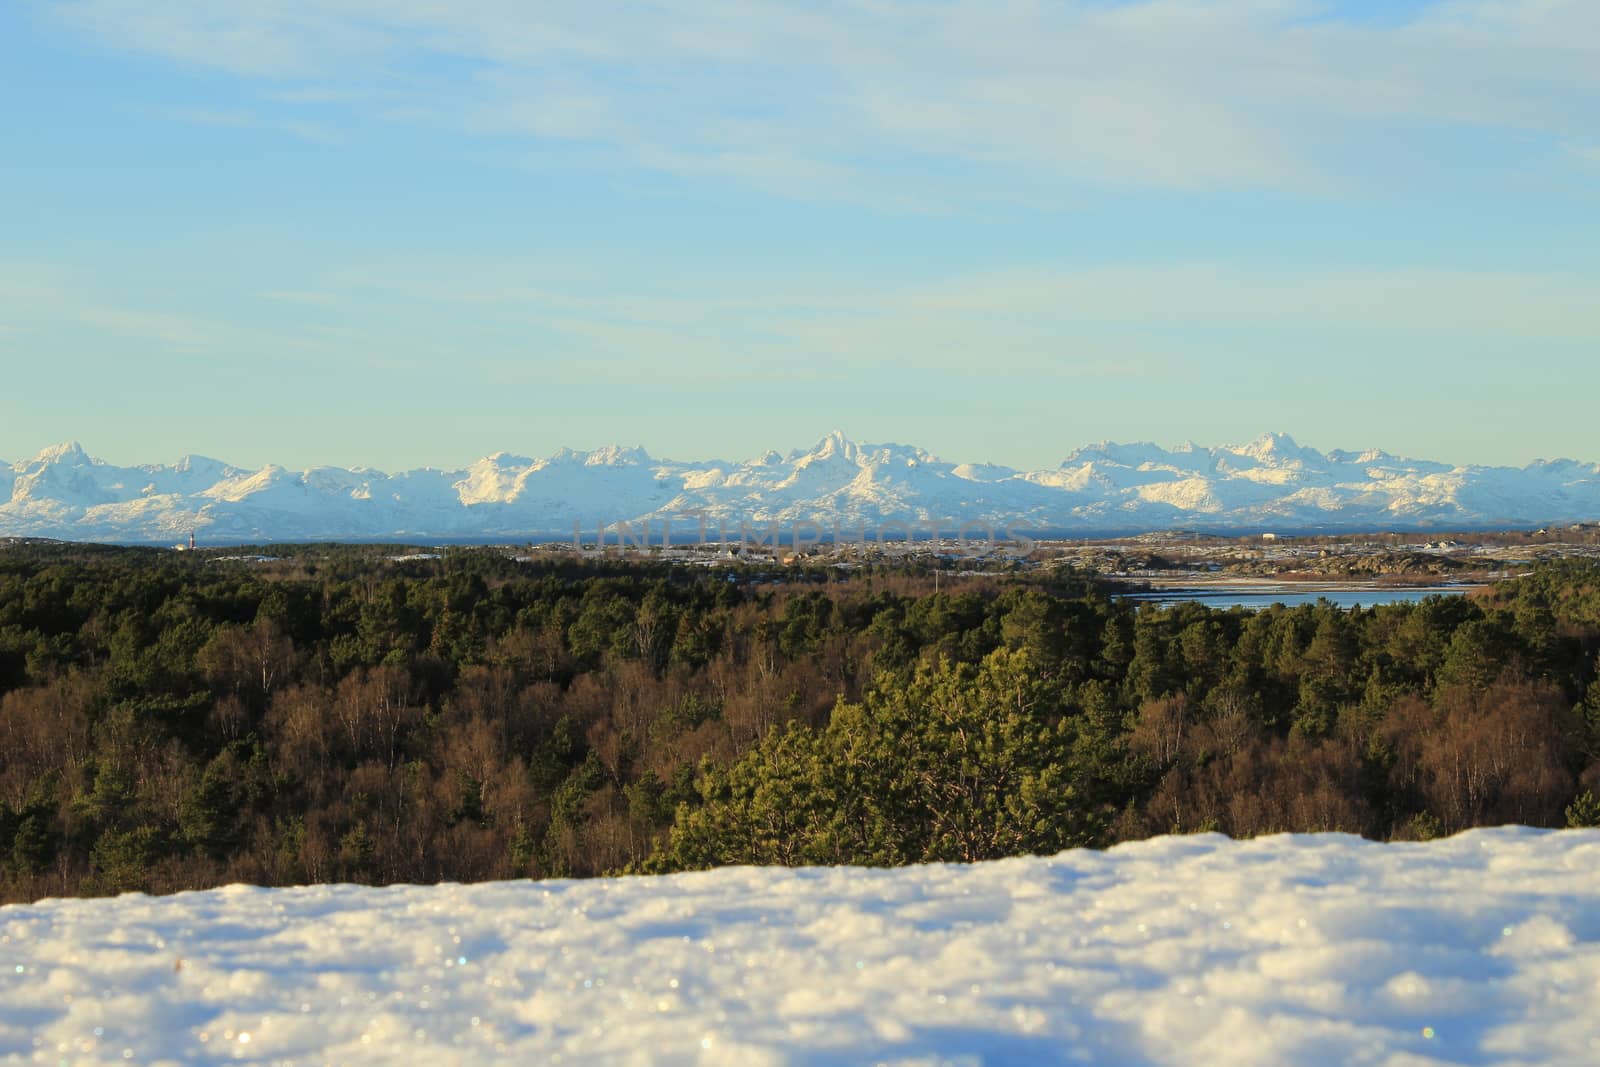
x=834 y=445
x=617 y=456
x=67 y=452
x=1271 y=451
x=1276 y=440
x=505 y=459
x=193 y=463
x=1369 y=457
x=1272 y=482
x=605 y=456
x=1275 y=446
x=1133 y=454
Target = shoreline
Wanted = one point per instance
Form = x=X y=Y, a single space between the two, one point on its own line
x=1221 y=586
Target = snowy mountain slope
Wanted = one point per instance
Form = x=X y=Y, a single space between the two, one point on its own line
x=1323 y=949
x=1272 y=482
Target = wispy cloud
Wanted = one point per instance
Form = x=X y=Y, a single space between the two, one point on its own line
x=296 y=296
x=917 y=99
x=1129 y=323
x=549 y=320
x=304 y=129
x=51 y=300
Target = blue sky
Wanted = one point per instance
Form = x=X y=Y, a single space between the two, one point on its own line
x=405 y=232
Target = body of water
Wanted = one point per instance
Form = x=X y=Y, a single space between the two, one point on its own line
x=1254 y=597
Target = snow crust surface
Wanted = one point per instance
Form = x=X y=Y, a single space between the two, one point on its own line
x=1322 y=949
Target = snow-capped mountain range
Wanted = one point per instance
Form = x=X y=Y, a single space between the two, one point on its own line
x=1270 y=483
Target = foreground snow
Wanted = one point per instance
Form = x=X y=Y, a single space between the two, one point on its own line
x=1484 y=948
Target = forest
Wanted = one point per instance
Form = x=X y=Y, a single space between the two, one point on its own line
x=180 y=720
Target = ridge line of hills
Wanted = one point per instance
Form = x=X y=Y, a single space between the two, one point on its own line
x=1270 y=483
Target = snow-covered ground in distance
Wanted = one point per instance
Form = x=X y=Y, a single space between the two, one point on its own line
x=1323 y=949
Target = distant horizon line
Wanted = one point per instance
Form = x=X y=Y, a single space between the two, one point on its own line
x=1035 y=536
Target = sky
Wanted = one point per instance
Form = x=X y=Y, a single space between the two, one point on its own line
x=414 y=232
